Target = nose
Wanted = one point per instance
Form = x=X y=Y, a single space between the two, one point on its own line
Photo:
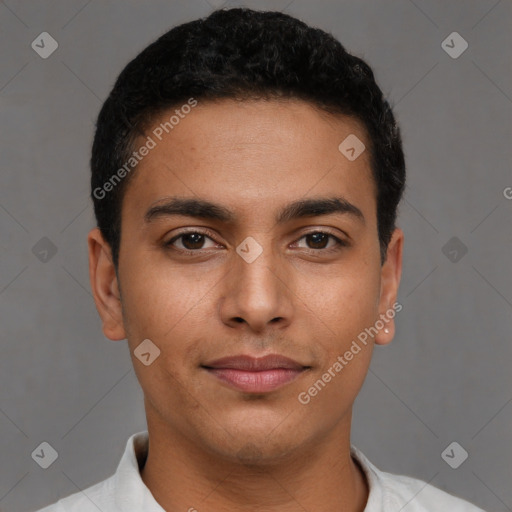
x=257 y=295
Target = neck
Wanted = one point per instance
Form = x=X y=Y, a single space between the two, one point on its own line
x=182 y=476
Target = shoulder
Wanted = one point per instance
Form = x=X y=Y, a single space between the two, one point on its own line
x=390 y=492
x=418 y=496
x=97 y=496
x=124 y=489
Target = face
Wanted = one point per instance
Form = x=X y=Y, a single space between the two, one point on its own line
x=284 y=262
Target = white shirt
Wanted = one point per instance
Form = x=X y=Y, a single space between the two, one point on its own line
x=126 y=492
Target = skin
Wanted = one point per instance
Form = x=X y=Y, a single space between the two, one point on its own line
x=213 y=447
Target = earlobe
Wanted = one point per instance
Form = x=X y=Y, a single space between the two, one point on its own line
x=391 y=273
x=104 y=285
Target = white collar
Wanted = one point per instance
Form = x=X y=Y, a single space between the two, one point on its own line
x=130 y=492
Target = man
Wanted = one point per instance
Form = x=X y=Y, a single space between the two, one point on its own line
x=246 y=172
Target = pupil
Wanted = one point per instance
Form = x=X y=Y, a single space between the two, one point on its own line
x=318 y=238
x=193 y=240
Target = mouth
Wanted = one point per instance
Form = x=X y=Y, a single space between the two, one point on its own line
x=255 y=375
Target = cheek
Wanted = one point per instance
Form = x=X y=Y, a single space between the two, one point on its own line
x=345 y=302
x=346 y=306
x=165 y=308
x=169 y=307
x=331 y=393
x=346 y=350
x=159 y=298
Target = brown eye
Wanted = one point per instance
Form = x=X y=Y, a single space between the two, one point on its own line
x=191 y=241
x=319 y=241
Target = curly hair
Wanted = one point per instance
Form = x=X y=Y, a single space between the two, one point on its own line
x=243 y=54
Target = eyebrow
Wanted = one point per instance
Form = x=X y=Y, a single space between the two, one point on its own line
x=203 y=209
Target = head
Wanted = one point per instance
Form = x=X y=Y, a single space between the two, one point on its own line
x=223 y=137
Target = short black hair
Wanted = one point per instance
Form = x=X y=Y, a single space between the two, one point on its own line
x=242 y=54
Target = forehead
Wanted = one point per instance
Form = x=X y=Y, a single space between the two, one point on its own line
x=257 y=152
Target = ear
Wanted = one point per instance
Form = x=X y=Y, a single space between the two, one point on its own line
x=391 y=273
x=104 y=285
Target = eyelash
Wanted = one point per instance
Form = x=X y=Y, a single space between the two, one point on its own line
x=169 y=244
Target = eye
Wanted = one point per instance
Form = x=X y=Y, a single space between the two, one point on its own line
x=319 y=240
x=190 y=241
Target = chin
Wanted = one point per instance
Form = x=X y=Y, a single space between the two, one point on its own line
x=260 y=453
x=258 y=445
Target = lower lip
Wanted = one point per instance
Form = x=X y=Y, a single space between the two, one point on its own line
x=255 y=382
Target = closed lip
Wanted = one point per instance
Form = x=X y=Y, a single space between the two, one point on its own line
x=255 y=364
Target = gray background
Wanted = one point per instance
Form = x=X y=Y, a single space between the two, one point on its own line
x=445 y=377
